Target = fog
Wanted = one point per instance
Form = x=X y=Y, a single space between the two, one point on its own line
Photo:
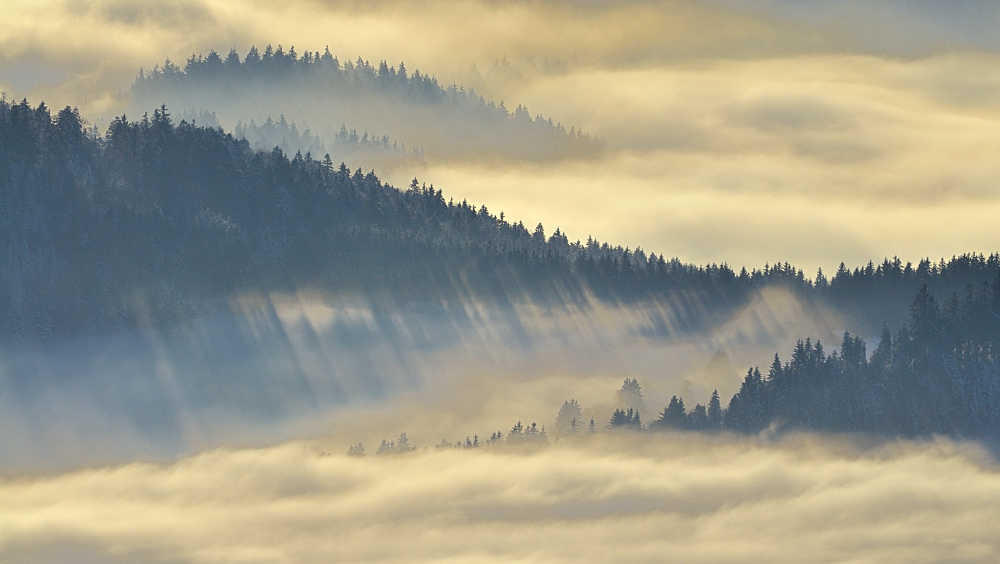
x=370 y=115
x=741 y=132
x=611 y=498
x=280 y=367
x=733 y=132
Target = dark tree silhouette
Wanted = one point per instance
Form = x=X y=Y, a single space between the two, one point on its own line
x=674 y=416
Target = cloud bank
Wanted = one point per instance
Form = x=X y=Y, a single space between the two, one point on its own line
x=607 y=499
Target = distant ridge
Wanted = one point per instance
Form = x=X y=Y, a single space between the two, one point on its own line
x=319 y=92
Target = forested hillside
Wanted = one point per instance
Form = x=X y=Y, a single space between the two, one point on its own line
x=152 y=221
x=319 y=92
x=939 y=374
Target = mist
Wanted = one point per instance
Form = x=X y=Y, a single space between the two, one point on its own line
x=820 y=159
x=368 y=114
x=281 y=367
x=607 y=498
x=715 y=131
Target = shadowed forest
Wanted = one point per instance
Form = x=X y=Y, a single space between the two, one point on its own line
x=153 y=224
x=151 y=221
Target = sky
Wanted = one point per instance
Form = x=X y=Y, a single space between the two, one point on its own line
x=738 y=132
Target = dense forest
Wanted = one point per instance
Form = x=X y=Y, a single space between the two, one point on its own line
x=320 y=92
x=938 y=374
x=151 y=222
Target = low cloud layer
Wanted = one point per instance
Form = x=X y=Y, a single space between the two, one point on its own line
x=607 y=499
x=293 y=367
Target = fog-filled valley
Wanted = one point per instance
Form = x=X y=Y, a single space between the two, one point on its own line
x=309 y=282
x=803 y=499
x=275 y=366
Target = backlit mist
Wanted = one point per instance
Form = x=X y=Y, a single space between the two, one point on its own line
x=199 y=331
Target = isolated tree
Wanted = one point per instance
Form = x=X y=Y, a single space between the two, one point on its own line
x=403 y=444
x=630 y=396
x=569 y=417
x=714 y=412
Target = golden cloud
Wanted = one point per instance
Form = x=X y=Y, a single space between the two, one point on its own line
x=606 y=499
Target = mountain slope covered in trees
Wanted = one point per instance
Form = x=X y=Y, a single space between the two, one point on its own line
x=938 y=374
x=154 y=223
x=319 y=92
x=152 y=220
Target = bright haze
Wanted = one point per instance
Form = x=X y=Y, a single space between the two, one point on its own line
x=738 y=132
x=728 y=132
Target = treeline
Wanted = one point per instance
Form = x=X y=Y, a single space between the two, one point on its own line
x=149 y=222
x=880 y=293
x=318 y=88
x=939 y=374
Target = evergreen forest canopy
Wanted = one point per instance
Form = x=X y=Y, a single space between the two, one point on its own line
x=319 y=92
x=152 y=222
x=939 y=374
